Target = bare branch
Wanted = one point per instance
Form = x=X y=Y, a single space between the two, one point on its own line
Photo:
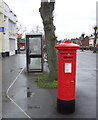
x=24 y=30
x=44 y=0
x=21 y=29
x=52 y=0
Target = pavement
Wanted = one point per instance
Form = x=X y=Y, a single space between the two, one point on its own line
x=0 y=89
x=42 y=102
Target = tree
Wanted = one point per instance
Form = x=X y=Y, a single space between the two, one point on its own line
x=82 y=39
x=46 y=12
x=95 y=38
x=20 y=30
x=36 y=29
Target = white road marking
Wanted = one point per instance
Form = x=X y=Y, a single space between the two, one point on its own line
x=12 y=99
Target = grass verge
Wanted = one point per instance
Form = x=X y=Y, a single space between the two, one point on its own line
x=43 y=82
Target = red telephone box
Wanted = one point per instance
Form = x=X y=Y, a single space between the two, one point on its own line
x=66 y=77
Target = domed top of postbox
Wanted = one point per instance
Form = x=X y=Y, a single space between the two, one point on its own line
x=67 y=45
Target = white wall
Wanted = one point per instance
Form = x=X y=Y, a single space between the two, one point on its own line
x=1 y=6
x=97 y=18
x=10 y=36
x=97 y=41
x=1 y=38
x=1 y=24
x=91 y=42
x=97 y=13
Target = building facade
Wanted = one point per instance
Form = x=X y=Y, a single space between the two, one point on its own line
x=21 y=43
x=1 y=25
x=91 y=41
x=9 y=40
x=85 y=41
x=97 y=22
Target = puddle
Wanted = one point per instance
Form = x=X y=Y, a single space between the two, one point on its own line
x=12 y=70
x=5 y=98
x=35 y=107
x=29 y=94
x=20 y=68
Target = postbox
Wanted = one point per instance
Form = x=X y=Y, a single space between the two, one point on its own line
x=66 y=77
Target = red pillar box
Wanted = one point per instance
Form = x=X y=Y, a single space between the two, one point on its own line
x=66 y=77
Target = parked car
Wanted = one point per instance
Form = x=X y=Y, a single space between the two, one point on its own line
x=87 y=47
x=97 y=48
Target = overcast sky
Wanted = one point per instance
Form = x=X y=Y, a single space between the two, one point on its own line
x=71 y=17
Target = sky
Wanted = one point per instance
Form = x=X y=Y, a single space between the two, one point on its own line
x=71 y=17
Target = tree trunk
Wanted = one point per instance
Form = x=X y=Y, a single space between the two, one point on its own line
x=94 y=50
x=95 y=34
x=46 y=12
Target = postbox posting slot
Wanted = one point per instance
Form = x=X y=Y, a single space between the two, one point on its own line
x=68 y=57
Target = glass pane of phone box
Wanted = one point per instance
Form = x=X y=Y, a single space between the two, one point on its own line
x=35 y=45
x=35 y=64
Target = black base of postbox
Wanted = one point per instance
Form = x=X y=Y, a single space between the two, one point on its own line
x=65 y=107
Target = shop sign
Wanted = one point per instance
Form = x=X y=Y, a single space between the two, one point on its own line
x=12 y=35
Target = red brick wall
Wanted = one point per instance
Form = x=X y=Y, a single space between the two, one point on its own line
x=85 y=41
